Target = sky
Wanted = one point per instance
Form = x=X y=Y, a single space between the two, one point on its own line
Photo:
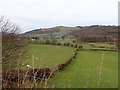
x=35 y=14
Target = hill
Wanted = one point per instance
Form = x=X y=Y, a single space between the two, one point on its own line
x=87 y=31
x=96 y=31
x=56 y=31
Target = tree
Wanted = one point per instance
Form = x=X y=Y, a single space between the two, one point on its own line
x=13 y=44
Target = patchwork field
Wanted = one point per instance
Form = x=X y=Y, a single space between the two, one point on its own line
x=90 y=69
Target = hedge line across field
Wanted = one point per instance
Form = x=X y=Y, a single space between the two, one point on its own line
x=61 y=44
x=10 y=78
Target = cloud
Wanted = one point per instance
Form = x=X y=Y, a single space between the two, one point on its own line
x=31 y=14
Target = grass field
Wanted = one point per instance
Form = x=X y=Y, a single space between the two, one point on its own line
x=104 y=44
x=47 y=55
x=84 y=71
x=86 y=46
x=90 y=69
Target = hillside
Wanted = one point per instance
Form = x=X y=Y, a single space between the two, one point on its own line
x=59 y=31
x=96 y=31
x=88 y=31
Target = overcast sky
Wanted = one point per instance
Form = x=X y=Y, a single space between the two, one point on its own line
x=33 y=14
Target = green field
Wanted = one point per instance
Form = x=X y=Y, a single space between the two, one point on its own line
x=84 y=71
x=104 y=44
x=47 y=55
x=86 y=46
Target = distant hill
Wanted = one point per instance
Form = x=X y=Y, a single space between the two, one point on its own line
x=88 y=31
x=96 y=31
x=59 y=30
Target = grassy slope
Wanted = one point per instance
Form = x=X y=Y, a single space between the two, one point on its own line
x=66 y=30
x=84 y=71
x=47 y=55
x=63 y=31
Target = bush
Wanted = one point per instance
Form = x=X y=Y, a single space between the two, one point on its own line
x=13 y=44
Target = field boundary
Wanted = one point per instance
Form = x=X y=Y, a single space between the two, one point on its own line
x=46 y=73
x=62 y=44
x=80 y=47
x=35 y=73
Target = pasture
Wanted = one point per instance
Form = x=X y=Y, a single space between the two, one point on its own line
x=86 y=71
x=104 y=44
x=87 y=45
x=90 y=69
x=65 y=40
x=46 y=55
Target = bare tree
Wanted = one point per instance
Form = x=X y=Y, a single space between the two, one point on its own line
x=13 y=44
